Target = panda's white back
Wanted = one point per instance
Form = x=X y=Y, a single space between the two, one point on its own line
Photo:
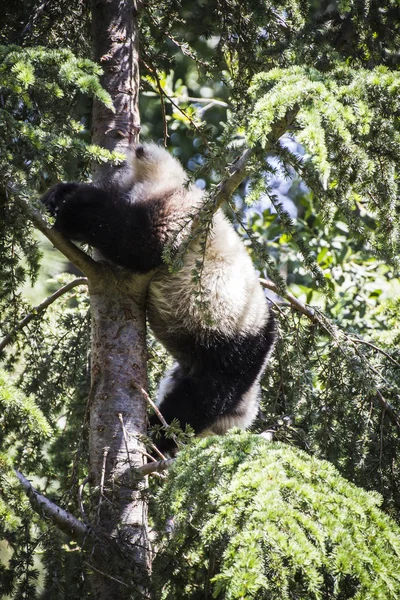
x=179 y=303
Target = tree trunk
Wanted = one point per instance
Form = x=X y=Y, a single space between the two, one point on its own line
x=115 y=46
x=121 y=565
x=117 y=419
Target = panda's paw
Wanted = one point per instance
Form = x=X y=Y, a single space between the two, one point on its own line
x=56 y=196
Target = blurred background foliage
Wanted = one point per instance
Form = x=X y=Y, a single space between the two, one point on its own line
x=319 y=213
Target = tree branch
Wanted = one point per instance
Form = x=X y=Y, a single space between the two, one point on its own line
x=299 y=306
x=154 y=467
x=153 y=406
x=388 y=408
x=359 y=341
x=158 y=413
x=66 y=522
x=40 y=308
x=228 y=185
x=108 y=576
x=239 y=169
x=315 y=318
x=162 y=93
x=87 y=265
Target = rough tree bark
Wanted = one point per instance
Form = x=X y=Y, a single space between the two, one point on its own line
x=115 y=46
x=117 y=408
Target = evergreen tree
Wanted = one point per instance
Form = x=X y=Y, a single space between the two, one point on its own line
x=288 y=113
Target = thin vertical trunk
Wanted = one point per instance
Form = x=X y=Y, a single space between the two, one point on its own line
x=117 y=408
x=115 y=46
x=117 y=419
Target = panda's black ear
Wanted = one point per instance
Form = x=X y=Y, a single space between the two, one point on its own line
x=139 y=151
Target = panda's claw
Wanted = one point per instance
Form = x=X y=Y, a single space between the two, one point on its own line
x=56 y=196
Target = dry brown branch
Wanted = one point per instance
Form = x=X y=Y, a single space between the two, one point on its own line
x=154 y=407
x=155 y=467
x=80 y=496
x=102 y=479
x=293 y=301
x=158 y=413
x=156 y=450
x=44 y=507
x=125 y=434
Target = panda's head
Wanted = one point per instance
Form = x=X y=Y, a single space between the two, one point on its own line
x=154 y=165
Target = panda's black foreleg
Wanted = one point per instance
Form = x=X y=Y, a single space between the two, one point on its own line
x=123 y=231
x=82 y=211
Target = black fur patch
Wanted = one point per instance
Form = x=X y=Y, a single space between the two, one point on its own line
x=126 y=233
x=213 y=376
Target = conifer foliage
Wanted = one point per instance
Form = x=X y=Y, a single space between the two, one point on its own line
x=243 y=518
x=347 y=124
x=287 y=112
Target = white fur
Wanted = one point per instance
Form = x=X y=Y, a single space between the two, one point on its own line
x=156 y=171
x=229 y=286
x=244 y=415
x=166 y=385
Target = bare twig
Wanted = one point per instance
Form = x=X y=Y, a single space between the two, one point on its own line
x=157 y=451
x=80 y=494
x=162 y=92
x=107 y=575
x=163 y=112
x=125 y=434
x=158 y=413
x=40 y=308
x=102 y=479
x=213 y=101
x=64 y=520
x=146 y=454
x=153 y=406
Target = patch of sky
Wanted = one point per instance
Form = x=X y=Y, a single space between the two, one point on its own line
x=285 y=189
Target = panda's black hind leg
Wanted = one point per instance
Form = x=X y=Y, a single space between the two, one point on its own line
x=193 y=401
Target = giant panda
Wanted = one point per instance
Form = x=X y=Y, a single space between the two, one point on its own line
x=214 y=384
